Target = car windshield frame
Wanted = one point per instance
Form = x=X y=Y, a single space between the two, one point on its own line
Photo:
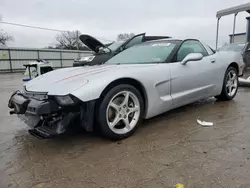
x=138 y=52
x=233 y=47
x=116 y=45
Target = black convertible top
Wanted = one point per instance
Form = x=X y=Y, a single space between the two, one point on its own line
x=148 y=38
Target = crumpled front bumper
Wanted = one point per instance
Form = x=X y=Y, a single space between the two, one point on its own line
x=45 y=117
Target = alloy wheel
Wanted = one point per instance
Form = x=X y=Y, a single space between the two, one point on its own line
x=231 y=83
x=123 y=112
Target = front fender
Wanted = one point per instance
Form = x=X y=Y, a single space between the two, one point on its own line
x=94 y=88
x=91 y=91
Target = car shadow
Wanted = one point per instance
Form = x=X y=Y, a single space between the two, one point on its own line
x=77 y=137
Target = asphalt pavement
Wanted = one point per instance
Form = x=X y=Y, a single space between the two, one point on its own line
x=168 y=149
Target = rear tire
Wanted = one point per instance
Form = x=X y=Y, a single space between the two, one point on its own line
x=230 y=85
x=120 y=111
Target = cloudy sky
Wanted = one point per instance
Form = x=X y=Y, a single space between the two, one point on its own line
x=106 y=19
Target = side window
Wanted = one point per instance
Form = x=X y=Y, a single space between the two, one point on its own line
x=209 y=49
x=190 y=46
x=134 y=41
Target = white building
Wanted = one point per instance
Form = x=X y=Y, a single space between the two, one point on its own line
x=238 y=38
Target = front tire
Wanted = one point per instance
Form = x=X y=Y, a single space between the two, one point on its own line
x=120 y=111
x=230 y=85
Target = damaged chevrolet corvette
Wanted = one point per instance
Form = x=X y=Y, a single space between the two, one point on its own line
x=139 y=83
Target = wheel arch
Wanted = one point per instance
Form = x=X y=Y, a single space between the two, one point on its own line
x=235 y=65
x=131 y=81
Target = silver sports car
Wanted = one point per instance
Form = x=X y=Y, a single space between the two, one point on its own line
x=139 y=83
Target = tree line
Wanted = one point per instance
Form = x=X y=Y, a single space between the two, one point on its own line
x=4 y=37
x=70 y=40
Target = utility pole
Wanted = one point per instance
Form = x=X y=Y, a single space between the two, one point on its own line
x=77 y=42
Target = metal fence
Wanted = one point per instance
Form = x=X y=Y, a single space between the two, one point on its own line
x=12 y=59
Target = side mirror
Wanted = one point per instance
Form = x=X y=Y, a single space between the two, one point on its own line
x=192 y=57
x=101 y=49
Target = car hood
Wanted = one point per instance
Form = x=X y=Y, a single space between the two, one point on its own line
x=64 y=80
x=67 y=80
x=91 y=42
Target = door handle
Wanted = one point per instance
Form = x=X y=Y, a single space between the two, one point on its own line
x=213 y=60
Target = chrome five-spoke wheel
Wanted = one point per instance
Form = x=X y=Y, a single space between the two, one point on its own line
x=231 y=83
x=120 y=111
x=123 y=112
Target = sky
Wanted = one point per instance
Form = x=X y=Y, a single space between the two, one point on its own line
x=106 y=19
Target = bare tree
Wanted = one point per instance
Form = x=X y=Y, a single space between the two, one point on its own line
x=4 y=37
x=69 y=40
x=124 y=36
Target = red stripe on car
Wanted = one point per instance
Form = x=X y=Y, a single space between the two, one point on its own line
x=91 y=71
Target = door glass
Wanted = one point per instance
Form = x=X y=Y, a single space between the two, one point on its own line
x=134 y=41
x=190 y=46
x=208 y=48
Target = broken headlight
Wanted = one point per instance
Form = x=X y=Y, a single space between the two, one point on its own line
x=64 y=100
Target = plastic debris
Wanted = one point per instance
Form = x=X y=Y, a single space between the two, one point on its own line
x=179 y=185
x=40 y=185
x=91 y=166
x=119 y=142
x=205 y=123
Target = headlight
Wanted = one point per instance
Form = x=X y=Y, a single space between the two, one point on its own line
x=64 y=100
x=87 y=59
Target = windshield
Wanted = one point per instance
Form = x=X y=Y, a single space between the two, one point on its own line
x=233 y=47
x=113 y=47
x=144 y=53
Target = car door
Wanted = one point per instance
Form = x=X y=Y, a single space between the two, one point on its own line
x=194 y=80
x=246 y=55
x=137 y=39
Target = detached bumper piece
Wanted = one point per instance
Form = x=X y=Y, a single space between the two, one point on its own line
x=45 y=117
x=42 y=133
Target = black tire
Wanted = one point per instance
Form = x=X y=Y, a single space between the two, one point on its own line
x=102 y=108
x=224 y=94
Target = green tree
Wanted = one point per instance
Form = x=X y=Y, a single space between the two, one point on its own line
x=69 y=40
x=124 y=36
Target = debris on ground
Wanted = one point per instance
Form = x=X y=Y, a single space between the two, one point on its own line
x=205 y=123
x=179 y=185
x=119 y=142
x=40 y=185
